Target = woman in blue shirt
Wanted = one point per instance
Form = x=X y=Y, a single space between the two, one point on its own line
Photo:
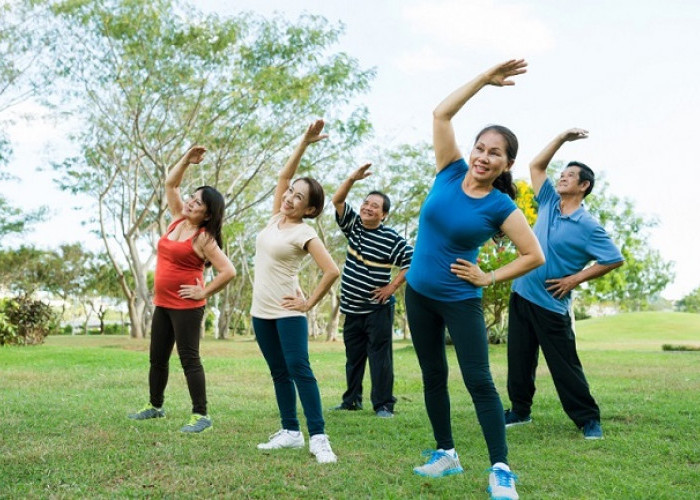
x=467 y=205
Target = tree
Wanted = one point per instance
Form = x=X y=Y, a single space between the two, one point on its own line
x=645 y=273
x=152 y=78
x=23 y=50
x=690 y=303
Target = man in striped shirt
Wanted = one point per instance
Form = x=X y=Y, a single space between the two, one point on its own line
x=366 y=294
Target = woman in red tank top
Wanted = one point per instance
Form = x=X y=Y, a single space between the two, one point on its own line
x=191 y=243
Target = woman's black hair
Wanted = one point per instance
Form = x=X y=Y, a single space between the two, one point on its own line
x=504 y=182
x=214 y=220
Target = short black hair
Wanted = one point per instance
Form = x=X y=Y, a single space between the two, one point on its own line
x=386 y=204
x=585 y=174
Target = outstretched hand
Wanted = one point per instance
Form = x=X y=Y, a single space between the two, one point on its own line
x=313 y=133
x=574 y=134
x=499 y=74
x=195 y=154
x=361 y=173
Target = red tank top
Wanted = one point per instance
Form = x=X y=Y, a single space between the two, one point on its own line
x=177 y=264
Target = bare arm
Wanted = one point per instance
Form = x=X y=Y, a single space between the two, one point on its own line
x=330 y=274
x=172 y=182
x=312 y=134
x=342 y=193
x=561 y=286
x=225 y=272
x=444 y=142
x=384 y=293
x=529 y=257
x=538 y=166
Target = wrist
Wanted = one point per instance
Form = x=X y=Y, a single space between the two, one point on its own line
x=492 y=278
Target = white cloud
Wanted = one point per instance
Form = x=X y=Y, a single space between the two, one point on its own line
x=481 y=25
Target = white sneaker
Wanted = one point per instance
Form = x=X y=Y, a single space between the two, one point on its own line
x=502 y=482
x=440 y=464
x=321 y=448
x=283 y=439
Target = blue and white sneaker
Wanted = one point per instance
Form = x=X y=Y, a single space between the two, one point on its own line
x=502 y=483
x=440 y=464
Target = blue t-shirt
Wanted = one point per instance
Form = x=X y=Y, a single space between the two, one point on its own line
x=569 y=243
x=451 y=225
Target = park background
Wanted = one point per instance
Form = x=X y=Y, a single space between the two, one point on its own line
x=75 y=116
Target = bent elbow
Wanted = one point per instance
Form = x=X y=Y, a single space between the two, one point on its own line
x=334 y=273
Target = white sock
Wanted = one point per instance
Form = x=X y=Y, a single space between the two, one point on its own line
x=451 y=452
x=501 y=465
x=294 y=433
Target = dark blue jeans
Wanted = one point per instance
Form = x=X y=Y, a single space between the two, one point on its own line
x=464 y=319
x=181 y=327
x=284 y=343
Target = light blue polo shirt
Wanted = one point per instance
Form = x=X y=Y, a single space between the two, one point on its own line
x=453 y=225
x=569 y=243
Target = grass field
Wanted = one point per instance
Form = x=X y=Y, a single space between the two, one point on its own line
x=64 y=434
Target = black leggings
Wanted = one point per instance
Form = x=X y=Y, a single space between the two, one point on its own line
x=181 y=327
x=464 y=319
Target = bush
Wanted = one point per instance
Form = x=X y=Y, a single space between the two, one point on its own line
x=8 y=331
x=30 y=320
x=114 y=329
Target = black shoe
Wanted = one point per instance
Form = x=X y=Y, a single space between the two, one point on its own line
x=348 y=407
x=513 y=418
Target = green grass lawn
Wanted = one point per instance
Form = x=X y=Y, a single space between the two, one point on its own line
x=64 y=431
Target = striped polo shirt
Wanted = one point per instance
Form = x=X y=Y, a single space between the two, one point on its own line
x=371 y=255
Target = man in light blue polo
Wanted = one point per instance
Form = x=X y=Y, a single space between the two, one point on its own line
x=540 y=301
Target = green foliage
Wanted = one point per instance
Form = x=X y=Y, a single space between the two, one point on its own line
x=151 y=78
x=8 y=331
x=26 y=321
x=690 y=303
x=674 y=347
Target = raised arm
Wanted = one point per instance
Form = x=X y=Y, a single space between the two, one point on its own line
x=538 y=166
x=444 y=142
x=172 y=182
x=342 y=193
x=312 y=134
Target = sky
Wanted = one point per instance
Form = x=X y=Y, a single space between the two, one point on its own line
x=627 y=71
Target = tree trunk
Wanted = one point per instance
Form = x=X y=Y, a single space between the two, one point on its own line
x=334 y=320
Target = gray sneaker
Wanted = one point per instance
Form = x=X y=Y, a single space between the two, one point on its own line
x=197 y=423
x=440 y=464
x=148 y=411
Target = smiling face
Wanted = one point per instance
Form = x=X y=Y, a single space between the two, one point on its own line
x=295 y=201
x=569 y=182
x=194 y=209
x=489 y=158
x=372 y=211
